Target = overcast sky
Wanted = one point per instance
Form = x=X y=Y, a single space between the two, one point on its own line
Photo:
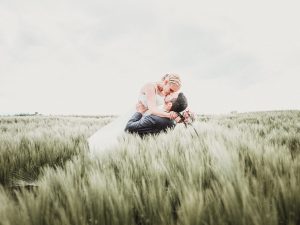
x=92 y=57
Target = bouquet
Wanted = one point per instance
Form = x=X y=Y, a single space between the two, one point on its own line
x=187 y=117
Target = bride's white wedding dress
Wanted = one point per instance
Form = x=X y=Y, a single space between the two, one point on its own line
x=106 y=138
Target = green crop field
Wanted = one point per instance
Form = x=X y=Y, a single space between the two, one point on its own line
x=241 y=169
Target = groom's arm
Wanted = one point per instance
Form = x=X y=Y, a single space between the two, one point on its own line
x=139 y=124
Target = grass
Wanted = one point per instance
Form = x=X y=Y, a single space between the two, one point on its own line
x=242 y=169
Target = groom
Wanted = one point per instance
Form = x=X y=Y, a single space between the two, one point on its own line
x=143 y=124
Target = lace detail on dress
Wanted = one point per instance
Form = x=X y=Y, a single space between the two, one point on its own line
x=159 y=99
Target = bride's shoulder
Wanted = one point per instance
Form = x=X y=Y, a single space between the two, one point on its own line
x=148 y=86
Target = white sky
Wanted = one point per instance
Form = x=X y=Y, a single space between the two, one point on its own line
x=92 y=57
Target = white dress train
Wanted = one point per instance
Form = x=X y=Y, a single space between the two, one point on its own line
x=106 y=138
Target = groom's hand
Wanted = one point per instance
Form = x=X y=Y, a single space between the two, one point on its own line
x=140 y=108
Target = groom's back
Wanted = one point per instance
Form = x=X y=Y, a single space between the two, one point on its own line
x=155 y=124
x=148 y=124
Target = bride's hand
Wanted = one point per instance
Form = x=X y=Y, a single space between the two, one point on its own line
x=173 y=115
x=178 y=120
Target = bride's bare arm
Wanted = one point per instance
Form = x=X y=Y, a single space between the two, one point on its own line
x=149 y=90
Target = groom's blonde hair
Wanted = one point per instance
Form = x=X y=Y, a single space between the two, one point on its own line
x=173 y=78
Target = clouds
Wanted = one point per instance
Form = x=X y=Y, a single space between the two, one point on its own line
x=71 y=52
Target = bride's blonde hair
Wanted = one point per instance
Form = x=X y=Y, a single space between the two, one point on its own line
x=173 y=78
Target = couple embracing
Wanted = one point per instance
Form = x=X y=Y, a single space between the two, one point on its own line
x=159 y=107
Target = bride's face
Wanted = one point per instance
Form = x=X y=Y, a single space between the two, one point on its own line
x=169 y=88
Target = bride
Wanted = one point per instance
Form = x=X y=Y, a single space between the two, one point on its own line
x=152 y=96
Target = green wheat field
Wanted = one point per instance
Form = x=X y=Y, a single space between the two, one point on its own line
x=241 y=169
